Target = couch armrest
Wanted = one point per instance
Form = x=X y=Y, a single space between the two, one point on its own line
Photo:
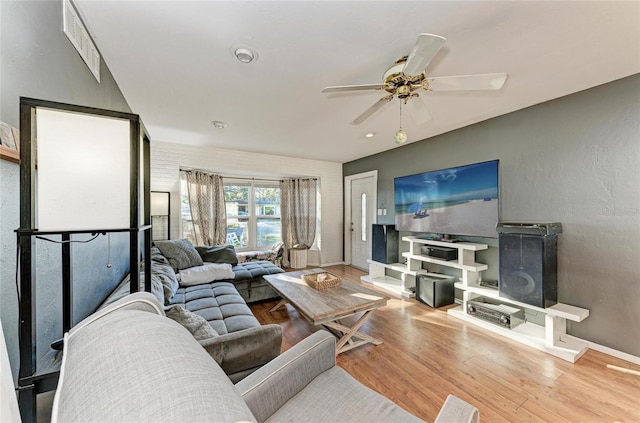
x=456 y=410
x=245 y=349
x=271 y=386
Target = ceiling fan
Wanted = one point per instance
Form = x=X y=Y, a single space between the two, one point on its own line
x=407 y=75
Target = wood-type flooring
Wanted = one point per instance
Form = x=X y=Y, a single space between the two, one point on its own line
x=427 y=354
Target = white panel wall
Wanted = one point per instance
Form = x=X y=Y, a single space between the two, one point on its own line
x=167 y=159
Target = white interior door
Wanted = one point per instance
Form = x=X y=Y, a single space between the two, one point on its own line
x=359 y=218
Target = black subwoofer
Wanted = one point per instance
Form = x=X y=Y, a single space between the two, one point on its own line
x=435 y=291
x=384 y=244
x=528 y=263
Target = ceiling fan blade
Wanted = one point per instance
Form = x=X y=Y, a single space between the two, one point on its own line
x=489 y=81
x=363 y=87
x=371 y=110
x=427 y=45
x=418 y=110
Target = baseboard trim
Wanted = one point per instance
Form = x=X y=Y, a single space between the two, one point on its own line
x=609 y=351
x=332 y=264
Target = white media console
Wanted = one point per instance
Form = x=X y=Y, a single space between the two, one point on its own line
x=551 y=338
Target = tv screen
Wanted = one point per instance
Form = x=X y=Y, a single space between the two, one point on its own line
x=461 y=200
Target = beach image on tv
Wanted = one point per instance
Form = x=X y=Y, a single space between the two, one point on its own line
x=457 y=201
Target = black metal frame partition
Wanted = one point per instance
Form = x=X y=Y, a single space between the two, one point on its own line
x=36 y=377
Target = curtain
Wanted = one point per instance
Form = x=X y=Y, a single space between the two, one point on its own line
x=297 y=214
x=208 y=211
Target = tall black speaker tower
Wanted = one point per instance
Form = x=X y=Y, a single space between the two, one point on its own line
x=528 y=262
x=384 y=243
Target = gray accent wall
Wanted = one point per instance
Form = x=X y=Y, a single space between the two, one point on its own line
x=38 y=61
x=574 y=160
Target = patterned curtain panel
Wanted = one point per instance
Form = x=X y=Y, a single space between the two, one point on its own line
x=298 y=214
x=208 y=211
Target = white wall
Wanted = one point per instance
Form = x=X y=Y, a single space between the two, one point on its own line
x=167 y=159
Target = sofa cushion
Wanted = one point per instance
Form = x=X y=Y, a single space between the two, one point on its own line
x=254 y=270
x=219 y=303
x=180 y=252
x=197 y=325
x=218 y=253
x=347 y=400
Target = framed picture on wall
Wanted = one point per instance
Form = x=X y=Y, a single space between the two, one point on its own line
x=16 y=137
x=7 y=136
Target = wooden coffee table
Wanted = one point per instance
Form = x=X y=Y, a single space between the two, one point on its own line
x=328 y=306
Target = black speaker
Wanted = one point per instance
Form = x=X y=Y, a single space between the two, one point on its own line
x=528 y=267
x=434 y=291
x=384 y=244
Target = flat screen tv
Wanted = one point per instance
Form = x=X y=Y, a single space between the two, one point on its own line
x=461 y=200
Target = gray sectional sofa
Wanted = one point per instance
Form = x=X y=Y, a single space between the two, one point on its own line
x=238 y=342
x=129 y=363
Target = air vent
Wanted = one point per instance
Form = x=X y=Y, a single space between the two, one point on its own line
x=79 y=37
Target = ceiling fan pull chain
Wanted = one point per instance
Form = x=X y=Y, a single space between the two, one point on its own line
x=401 y=136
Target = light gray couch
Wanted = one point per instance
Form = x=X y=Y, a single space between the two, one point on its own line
x=128 y=363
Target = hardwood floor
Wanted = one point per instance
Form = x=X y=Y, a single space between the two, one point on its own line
x=427 y=355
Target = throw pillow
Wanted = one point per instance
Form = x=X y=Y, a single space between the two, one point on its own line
x=218 y=254
x=157 y=256
x=180 y=252
x=197 y=325
x=208 y=272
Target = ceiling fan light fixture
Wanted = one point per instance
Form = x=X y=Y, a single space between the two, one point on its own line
x=370 y=134
x=400 y=137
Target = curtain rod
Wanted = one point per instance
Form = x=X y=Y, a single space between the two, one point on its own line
x=243 y=178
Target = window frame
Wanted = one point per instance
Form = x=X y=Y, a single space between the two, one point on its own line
x=251 y=218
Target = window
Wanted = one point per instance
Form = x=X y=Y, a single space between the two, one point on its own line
x=253 y=213
x=363 y=217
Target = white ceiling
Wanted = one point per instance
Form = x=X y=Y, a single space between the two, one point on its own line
x=173 y=62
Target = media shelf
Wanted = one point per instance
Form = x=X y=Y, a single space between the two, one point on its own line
x=404 y=285
x=466 y=261
x=551 y=338
x=535 y=336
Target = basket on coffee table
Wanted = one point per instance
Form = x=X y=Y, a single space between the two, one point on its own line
x=316 y=281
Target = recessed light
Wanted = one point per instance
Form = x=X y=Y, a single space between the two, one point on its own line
x=244 y=54
x=219 y=124
x=370 y=134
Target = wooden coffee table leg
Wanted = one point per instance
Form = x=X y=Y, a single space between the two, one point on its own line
x=277 y=306
x=352 y=332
